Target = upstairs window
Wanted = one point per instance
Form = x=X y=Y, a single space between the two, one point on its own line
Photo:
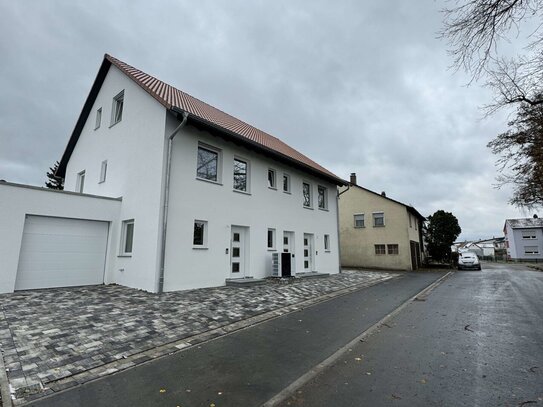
x=378 y=219
x=322 y=197
x=271 y=179
x=410 y=225
x=531 y=250
x=359 y=220
x=80 y=184
x=240 y=175
x=306 y=190
x=207 y=164
x=103 y=171
x=529 y=236
x=117 y=109
x=286 y=183
x=98 y=119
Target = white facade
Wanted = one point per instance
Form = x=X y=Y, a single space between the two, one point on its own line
x=127 y=158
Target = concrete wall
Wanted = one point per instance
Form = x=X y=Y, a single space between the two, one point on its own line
x=134 y=150
x=357 y=244
x=259 y=209
x=17 y=201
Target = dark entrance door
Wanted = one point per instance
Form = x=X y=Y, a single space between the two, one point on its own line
x=414 y=254
x=285 y=265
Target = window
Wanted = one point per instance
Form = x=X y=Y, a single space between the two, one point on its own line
x=529 y=236
x=271 y=239
x=322 y=197
x=271 y=179
x=199 y=238
x=103 y=171
x=531 y=250
x=240 y=175
x=415 y=222
x=207 y=164
x=359 y=220
x=410 y=225
x=127 y=237
x=98 y=119
x=306 y=190
x=378 y=219
x=286 y=183
x=380 y=249
x=117 y=108
x=393 y=249
x=327 y=243
x=80 y=184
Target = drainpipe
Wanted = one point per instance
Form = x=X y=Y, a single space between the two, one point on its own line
x=166 y=202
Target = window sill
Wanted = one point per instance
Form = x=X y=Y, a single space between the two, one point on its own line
x=360 y=227
x=270 y=249
x=287 y=192
x=208 y=180
x=241 y=192
x=101 y=182
x=124 y=255
x=274 y=188
x=113 y=124
x=378 y=226
x=309 y=207
x=324 y=209
x=200 y=248
x=327 y=251
x=96 y=128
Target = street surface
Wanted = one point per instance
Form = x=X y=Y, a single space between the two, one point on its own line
x=252 y=365
x=477 y=340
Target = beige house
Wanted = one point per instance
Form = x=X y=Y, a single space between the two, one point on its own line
x=378 y=232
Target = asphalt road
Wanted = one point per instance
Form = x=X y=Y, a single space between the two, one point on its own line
x=477 y=340
x=250 y=366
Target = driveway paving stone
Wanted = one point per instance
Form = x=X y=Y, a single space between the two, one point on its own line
x=56 y=338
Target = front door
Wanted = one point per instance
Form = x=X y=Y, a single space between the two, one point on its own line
x=308 y=252
x=237 y=252
x=288 y=247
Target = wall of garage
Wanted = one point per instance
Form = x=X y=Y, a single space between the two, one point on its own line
x=17 y=201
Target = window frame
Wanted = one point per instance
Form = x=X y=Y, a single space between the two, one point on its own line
x=363 y=220
x=103 y=172
x=384 y=251
x=203 y=245
x=529 y=237
x=325 y=197
x=124 y=235
x=247 y=163
x=326 y=240
x=98 y=119
x=218 y=168
x=273 y=185
x=534 y=251
x=287 y=177
x=310 y=192
x=393 y=246
x=374 y=218
x=273 y=236
x=116 y=113
x=80 y=181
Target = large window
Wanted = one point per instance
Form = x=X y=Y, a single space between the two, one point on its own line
x=359 y=220
x=80 y=183
x=393 y=249
x=199 y=238
x=322 y=197
x=378 y=219
x=380 y=249
x=271 y=239
x=117 y=108
x=127 y=237
x=306 y=190
x=241 y=169
x=272 y=183
x=207 y=164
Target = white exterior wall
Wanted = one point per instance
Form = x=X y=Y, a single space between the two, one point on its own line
x=221 y=207
x=17 y=201
x=134 y=150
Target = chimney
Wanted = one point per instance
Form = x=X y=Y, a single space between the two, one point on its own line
x=535 y=214
x=384 y=194
x=353 y=178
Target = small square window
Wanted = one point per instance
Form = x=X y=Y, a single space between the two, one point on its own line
x=235 y=251
x=271 y=179
x=207 y=164
x=327 y=243
x=271 y=239
x=80 y=184
x=306 y=190
x=103 y=171
x=380 y=249
x=127 y=237
x=199 y=238
x=359 y=220
x=235 y=267
x=117 y=108
x=241 y=174
x=322 y=197
x=286 y=183
x=393 y=249
x=98 y=119
x=378 y=219
x=235 y=237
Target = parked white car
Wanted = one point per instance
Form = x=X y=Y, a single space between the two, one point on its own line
x=468 y=260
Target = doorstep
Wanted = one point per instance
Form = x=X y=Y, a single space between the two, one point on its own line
x=244 y=282
x=312 y=274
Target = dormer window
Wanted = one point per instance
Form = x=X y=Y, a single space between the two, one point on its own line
x=117 y=108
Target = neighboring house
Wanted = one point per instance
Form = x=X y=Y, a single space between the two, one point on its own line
x=524 y=239
x=165 y=192
x=378 y=232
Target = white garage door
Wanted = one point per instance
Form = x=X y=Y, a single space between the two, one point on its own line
x=60 y=252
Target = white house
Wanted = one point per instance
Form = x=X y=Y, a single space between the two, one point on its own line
x=524 y=238
x=170 y=193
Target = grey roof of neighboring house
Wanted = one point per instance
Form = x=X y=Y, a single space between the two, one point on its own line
x=525 y=223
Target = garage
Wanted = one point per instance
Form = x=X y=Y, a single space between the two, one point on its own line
x=61 y=252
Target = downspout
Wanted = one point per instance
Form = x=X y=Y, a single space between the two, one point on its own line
x=338 y=228
x=166 y=202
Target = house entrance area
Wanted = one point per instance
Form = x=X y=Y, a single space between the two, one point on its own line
x=287 y=257
x=415 y=254
x=309 y=259
x=238 y=251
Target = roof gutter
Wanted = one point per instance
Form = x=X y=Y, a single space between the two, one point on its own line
x=166 y=194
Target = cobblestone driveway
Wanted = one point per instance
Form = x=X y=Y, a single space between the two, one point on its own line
x=56 y=338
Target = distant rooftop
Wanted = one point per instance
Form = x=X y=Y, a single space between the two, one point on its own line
x=525 y=223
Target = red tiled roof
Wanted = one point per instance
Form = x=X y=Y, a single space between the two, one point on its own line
x=171 y=97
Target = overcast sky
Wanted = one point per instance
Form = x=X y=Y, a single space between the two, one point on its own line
x=358 y=86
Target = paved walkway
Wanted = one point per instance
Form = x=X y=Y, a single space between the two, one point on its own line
x=57 y=338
